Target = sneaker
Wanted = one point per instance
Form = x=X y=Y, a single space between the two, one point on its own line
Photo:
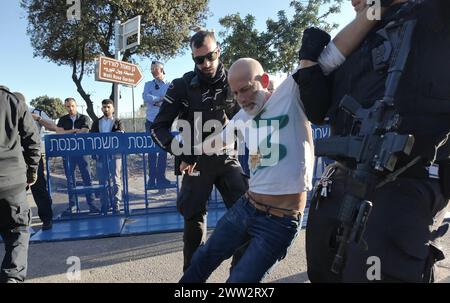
x=104 y=209
x=164 y=183
x=46 y=225
x=93 y=209
x=151 y=184
x=116 y=211
x=69 y=211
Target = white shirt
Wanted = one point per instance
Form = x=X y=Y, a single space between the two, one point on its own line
x=43 y=115
x=40 y=113
x=105 y=125
x=74 y=118
x=280 y=143
x=279 y=138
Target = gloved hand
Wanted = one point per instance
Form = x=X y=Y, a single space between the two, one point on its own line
x=313 y=42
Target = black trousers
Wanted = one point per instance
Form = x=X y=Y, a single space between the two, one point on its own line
x=15 y=218
x=401 y=232
x=41 y=195
x=226 y=174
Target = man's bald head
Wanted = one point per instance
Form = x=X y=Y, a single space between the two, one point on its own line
x=249 y=83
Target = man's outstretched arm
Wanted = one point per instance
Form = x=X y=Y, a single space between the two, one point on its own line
x=317 y=61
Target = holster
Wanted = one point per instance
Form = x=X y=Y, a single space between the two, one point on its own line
x=444 y=177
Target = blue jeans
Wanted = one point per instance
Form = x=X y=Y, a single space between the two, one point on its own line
x=270 y=238
x=109 y=168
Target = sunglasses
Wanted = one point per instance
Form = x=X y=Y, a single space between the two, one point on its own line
x=212 y=56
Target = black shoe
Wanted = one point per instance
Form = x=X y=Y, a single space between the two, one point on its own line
x=93 y=209
x=69 y=211
x=164 y=183
x=151 y=184
x=46 y=225
x=104 y=209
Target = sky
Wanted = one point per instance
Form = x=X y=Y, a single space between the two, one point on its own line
x=34 y=77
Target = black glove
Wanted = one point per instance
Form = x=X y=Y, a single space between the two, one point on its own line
x=313 y=42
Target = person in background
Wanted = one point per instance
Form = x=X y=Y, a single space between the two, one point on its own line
x=106 y=169
x=153 y=96
x=39 y=189
x=75 y=123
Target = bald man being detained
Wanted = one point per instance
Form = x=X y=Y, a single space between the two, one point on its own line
x=281 y=164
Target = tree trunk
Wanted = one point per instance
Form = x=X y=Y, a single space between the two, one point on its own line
x=111 y=96
x=87 y=98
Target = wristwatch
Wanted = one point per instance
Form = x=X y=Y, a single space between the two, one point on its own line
x=39 y=119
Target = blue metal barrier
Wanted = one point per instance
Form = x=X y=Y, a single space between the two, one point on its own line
x=104 y=144
x=164 y=217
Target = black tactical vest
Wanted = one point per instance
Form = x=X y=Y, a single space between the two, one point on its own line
x=211 y=101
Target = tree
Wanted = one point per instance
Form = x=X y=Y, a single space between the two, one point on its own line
x=164 y=31
x=245 y=41
x=53 y=107
x=276 y=48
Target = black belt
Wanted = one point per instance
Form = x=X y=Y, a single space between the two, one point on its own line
x=275 y=211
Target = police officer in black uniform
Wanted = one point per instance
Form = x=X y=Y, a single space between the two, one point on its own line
x=406 y=219
x=18 y=169
x=201 y=93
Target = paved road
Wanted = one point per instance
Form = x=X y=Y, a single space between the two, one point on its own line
x=149 y=258
x=153 y=258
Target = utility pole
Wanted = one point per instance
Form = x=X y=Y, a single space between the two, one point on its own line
x=127 y=35
x=117 y=57
x=132 y=98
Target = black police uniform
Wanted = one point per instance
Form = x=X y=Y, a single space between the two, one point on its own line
x=404 y=224
x=17 y=167
x=192 y=93
x=40 y=193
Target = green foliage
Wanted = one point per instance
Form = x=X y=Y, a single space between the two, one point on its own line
x=278 y=46
x=164 y=27
x=53 y=107
x=164 y=31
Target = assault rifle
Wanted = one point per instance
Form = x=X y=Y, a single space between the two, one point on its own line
x=374 y=143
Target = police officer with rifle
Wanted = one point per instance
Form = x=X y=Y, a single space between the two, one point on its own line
x=377 y=212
